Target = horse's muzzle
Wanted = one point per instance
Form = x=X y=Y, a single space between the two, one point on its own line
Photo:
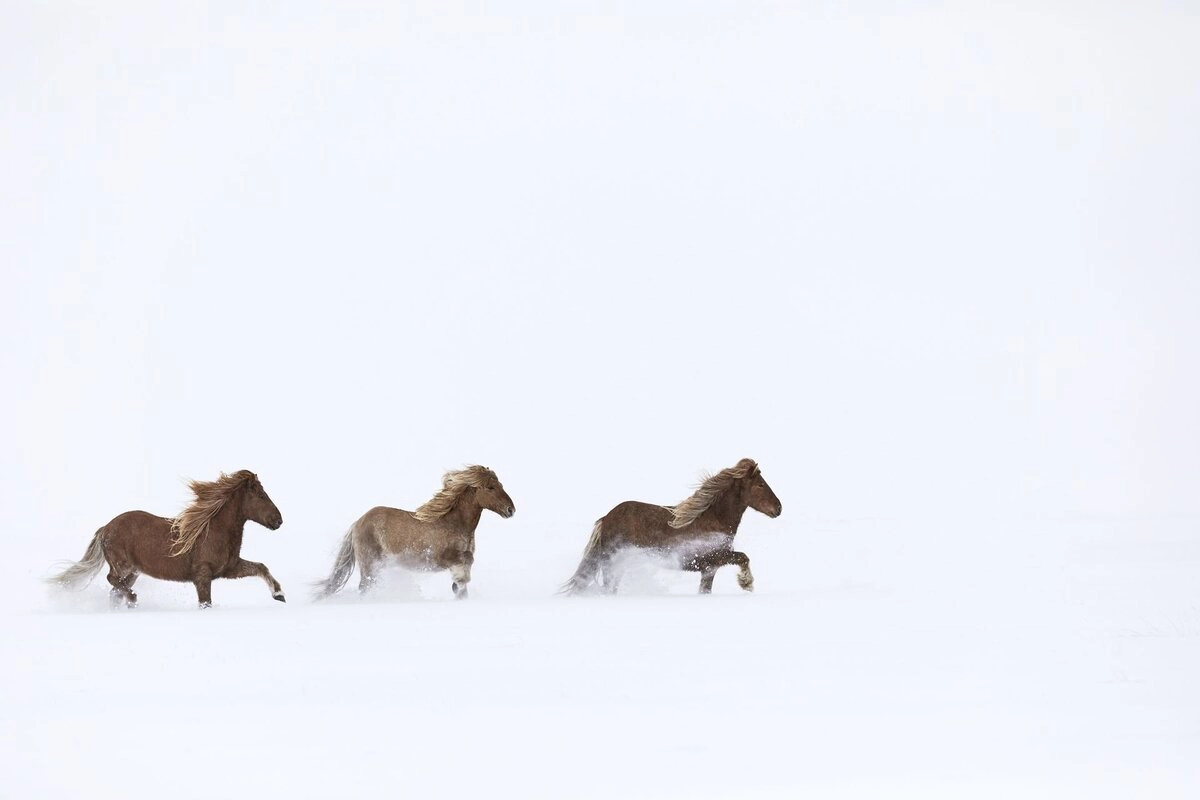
x=508 y=512
x=276 y=523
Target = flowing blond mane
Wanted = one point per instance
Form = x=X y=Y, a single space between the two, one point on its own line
x=711 y=487
x=188 y=527
x=454 y=483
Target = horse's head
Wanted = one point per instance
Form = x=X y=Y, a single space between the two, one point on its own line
x=491 y=495
x=258 y=507
x=758 y=494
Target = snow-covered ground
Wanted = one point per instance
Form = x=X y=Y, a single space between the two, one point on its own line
x=876 y=658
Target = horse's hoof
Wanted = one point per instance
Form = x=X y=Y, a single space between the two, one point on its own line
x=279 y=597
x=205 y=605
x=746 y=580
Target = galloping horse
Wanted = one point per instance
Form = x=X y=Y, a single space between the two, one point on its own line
x=202 y=543
x=439 y=535
x=696 y=535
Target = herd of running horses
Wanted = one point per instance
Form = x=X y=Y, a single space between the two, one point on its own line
x=205 y=541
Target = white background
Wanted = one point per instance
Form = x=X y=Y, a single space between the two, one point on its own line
x=935 y=267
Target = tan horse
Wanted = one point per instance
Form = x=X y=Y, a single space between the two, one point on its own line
x=201 y=544
x=696 y=535
x=439 y=535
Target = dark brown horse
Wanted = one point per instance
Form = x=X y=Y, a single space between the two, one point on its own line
x=439 y=535
x=202 y=543
x=696 y=535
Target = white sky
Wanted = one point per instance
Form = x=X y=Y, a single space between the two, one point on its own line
x=938 y=260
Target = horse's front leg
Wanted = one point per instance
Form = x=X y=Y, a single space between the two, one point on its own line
x=461 y=573
x=248 y=569
x=745 y=578
x=202 y=579
x=708 y=566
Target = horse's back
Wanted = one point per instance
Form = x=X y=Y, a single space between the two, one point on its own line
x=386 y=525
x=138 y=523
x=381 y=518
x=635 y=509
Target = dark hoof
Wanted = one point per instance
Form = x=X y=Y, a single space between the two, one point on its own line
x=205 y=605
x=279 y=597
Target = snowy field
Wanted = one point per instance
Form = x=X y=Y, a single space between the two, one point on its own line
x=936 y=267
x=876 y=658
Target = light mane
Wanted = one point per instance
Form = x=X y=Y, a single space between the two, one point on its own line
x=454 y=483
x=188 y=527
x=711 y=487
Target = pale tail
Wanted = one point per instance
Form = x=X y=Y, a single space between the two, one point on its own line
x=588 y=566
x=343 y=565
x=80 y=574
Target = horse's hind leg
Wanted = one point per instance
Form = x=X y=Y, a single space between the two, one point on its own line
x=122 y=587
x=133 y=576
x=121 y=575
x=368 y=569
x=370 y=558
x=610 y=576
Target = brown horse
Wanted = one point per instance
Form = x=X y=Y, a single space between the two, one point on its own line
x=439 y=535
x=202 y=543
x=696 y=535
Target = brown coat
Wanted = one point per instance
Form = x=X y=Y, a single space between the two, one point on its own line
x=201 y=544
x=697 y=535
x=439 y=535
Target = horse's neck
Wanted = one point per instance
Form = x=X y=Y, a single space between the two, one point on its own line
x=726 y=512
x=465 y=516
x=229 y=525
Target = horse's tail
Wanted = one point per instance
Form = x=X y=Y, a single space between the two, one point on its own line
x=80 y=574
x=585 y=575
x=343 y=565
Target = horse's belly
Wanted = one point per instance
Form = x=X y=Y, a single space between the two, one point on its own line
x=153 y=558
x=422 y=553
x=420 y=560
x=697 y=544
